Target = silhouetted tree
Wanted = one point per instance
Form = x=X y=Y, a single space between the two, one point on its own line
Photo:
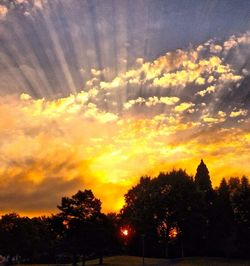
x=10 y=235
x=177 y=202
x=138 y=213
x=57 y=231
x=240 y=200
x=25 y=238
x=156 y=207
x=224 y=225
x=44 y=240
x=202 y=178
x=174 y=211
x=81 y=216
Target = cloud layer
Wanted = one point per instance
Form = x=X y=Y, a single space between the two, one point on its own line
x=76 y=114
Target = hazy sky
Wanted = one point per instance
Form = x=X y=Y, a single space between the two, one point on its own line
x=95 y=94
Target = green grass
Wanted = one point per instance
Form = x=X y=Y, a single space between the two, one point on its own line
x=137 y=261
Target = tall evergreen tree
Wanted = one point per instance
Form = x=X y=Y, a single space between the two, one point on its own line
x=207 y=209
x=202 y=178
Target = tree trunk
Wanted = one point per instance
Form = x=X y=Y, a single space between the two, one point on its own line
x=166 y=250
x=182 y=248
x=74 y=260
x=101 y=259
x=10 y=260
x=83 y=260
x=167 y=242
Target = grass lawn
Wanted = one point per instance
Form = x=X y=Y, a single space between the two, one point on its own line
x=137 y=261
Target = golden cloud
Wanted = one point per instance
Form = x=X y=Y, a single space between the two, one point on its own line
x=152 y=101
x=183 y=107
x=95 y=139
x=208 y=90
x=240 y=112
x=49 y=151
x=3 y=11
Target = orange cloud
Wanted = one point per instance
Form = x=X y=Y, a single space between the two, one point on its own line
x=48 y=151
x=95 y=139
x=3 y=11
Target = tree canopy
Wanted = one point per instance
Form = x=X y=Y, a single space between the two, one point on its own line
x=173 y=215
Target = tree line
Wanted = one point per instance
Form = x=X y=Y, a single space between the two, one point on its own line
x=172 y=215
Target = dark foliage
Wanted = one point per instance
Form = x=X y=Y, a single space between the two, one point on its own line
x=172 y=215
x=181 y=216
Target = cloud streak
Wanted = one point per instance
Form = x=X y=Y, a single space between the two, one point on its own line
x=74 y=117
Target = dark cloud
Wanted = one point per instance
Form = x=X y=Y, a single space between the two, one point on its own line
x=23 y=196
x=32 y=185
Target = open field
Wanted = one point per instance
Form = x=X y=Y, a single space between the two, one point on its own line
x=137 y=261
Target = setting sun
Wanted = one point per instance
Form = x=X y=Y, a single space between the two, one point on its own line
x=87 y=104
x=124 y=232
x=124 y=129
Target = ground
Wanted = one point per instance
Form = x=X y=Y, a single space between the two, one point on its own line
x=137 y=261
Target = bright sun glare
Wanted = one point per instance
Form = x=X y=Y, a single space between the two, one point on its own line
x=125 y=232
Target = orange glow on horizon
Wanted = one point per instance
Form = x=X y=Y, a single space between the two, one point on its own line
x=105 y=138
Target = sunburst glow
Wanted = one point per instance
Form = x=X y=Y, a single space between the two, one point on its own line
x=96 y=94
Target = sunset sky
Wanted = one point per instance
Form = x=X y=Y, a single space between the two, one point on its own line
x=95 y=94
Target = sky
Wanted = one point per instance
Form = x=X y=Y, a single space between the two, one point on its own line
x=95 y=94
